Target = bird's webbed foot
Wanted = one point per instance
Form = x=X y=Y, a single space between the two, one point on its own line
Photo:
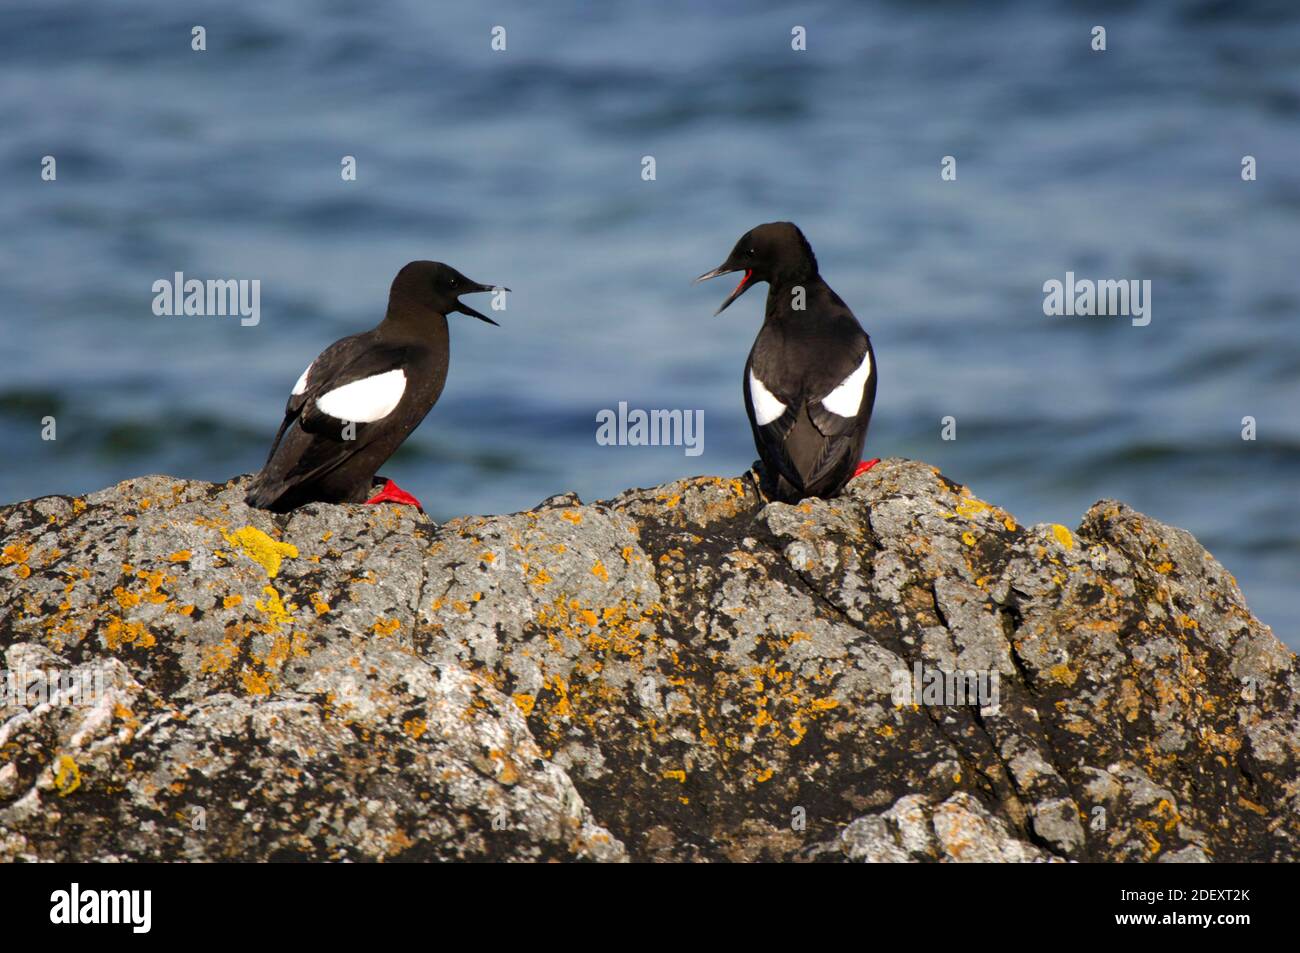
x=390 y=492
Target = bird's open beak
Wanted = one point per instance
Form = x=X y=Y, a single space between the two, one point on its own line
x=740 y=289
x=463 y=308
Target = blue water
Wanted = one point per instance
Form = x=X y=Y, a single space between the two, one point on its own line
x=523 y=167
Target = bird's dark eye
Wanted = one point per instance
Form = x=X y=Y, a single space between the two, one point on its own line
x=751 y=253
x=453 y=282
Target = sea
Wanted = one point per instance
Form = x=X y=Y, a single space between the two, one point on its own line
x=947 y=161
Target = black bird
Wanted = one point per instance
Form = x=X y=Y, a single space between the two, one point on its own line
x=810 y=380
x=355 y=404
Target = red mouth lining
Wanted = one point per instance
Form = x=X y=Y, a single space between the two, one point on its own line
x=748 y=272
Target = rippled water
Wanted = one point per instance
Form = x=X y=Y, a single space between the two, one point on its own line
x=524 y=167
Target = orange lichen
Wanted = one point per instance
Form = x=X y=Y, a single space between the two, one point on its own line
x=385 y=627
x=120 y=632
x=508 y=774
x=17 y=554
x=255 y=683
x=1062 y=673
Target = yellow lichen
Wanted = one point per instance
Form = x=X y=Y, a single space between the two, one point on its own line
x=262 y=549
x=278 y=614
x=67 y=776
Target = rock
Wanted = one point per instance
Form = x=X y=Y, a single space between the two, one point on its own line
x=679 y=673
x=959 y=829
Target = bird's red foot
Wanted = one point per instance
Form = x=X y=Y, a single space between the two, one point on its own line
x=864 y=466
x=392 y=493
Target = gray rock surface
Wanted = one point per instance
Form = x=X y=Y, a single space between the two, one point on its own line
x=679 y=673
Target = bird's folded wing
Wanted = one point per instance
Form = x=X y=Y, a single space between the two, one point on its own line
x=844 y=392
x=843 y=412
x=310 y=442
x=346 y=370
x=772 y=416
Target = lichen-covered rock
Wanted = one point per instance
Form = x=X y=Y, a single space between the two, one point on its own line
x=680 y=673
x=959 y=829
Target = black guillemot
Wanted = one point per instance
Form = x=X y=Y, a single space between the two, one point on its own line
x=355 y=404
x=810 y=380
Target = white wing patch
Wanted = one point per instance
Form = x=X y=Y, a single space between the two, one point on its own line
x=366 y=400
x=846 y=399
x=766 y=407
x=300 y=388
